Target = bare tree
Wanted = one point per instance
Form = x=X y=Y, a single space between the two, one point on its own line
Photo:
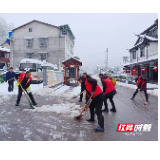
x=4 y=29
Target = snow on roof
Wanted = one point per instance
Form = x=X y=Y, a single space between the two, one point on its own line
x=28 y=60
x=4 y=49
x=71 y=58
x=134 y=63
x=151 y=38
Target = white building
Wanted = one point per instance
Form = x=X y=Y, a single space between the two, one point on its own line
x=41 y=41
x=144 y=54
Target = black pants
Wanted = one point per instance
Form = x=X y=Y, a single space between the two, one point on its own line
x=96 y=107
x=81 y=96
x=20 y=95
x=145 y=92
x=10 y=86
x=110 y=97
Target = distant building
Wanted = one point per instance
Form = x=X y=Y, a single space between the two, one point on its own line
x=4 y=57
x=5 y=45
x=41 y=41
x=144 y=55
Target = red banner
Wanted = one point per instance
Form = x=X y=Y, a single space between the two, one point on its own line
x=133 y=72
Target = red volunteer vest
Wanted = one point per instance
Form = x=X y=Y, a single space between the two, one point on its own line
x=110 y=86
x=89 y=89
x=22 y=76
x=139 y=81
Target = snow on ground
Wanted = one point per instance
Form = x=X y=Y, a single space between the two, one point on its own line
x=4 y=88
x=63 y=91
x=149 y=85
x=67 y=109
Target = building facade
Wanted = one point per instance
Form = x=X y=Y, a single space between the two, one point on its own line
x=144 y=55
x=4 y=57
x=42 y=41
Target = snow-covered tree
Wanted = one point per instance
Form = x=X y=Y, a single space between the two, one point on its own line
x=4 y=29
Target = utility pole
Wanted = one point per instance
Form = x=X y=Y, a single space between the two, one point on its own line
x=106 y=61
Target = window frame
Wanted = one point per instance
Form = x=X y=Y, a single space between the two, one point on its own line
x=41 y=42
x=142 y=54
x=30 y=30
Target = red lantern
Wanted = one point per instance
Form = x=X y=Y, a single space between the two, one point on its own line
x=155 y=69
x=144 y=69
x=127 y=71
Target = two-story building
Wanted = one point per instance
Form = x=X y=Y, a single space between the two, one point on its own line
x=144 y=55
x=4 y=57
x=42 y=41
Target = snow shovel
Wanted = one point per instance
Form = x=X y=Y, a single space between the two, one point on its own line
x=85 y=108
x=78 y=94
x=142 y=98
x=31 y=105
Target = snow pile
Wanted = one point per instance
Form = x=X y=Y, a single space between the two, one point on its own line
x=67 y=109
x=149 y=85
x=52 y=91
x=4 y=98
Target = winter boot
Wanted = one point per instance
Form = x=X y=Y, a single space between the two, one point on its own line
x=32 y=99
x=105 y=110
x=132 y=98
x=80 y=100
x=113 y=109
x=99 y=129
x=90 y=120
x=16 y=104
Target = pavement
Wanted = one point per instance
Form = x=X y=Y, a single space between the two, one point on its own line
x=17 y=124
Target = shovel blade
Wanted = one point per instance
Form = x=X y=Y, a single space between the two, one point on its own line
x=79 y=116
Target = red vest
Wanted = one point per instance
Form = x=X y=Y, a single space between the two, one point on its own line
x=110 y=86
x=22 y=76
x=89 y=88
x=139 y=81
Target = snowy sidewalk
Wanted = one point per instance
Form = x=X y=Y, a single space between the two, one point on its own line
x=149 y=85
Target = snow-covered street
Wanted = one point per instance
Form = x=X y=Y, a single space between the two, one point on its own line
x=53 y=118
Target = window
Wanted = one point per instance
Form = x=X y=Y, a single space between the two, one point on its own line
x=43 y=42
x=134 y=54
x=29 y=55
x=29 y=42
x=142 y=52
x=43 y=56
x=30 y=29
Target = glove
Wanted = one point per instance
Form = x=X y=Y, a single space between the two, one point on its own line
x=28 y=89
x=16 y=85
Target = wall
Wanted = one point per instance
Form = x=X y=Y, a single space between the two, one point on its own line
x=19 y=49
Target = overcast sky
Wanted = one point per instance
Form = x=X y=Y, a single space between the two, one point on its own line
x=95 y=32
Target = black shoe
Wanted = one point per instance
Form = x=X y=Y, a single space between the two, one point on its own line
x=16 y=104
x=34 y=104
x=132 y=98
x=105 y=110
x=80 y=101
x=99 y=129
x=113 y=110
x=90 y=120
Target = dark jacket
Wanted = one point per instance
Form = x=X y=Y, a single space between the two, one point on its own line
x=10 y=75
x=142 y=85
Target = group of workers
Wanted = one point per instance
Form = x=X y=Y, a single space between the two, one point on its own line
x=100 y=96
x=88 y=84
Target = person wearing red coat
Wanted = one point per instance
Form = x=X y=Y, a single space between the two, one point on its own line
x=92 y=88
x=109 y=91
x=141 y=86
x=25 y=81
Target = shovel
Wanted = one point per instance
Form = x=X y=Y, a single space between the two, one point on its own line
x=78 y=94
x=31 y=105
x=85 y=108
x=143 y=98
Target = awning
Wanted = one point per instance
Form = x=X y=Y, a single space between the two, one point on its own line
x=140 y=63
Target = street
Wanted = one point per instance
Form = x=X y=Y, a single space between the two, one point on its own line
x=23 y=124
